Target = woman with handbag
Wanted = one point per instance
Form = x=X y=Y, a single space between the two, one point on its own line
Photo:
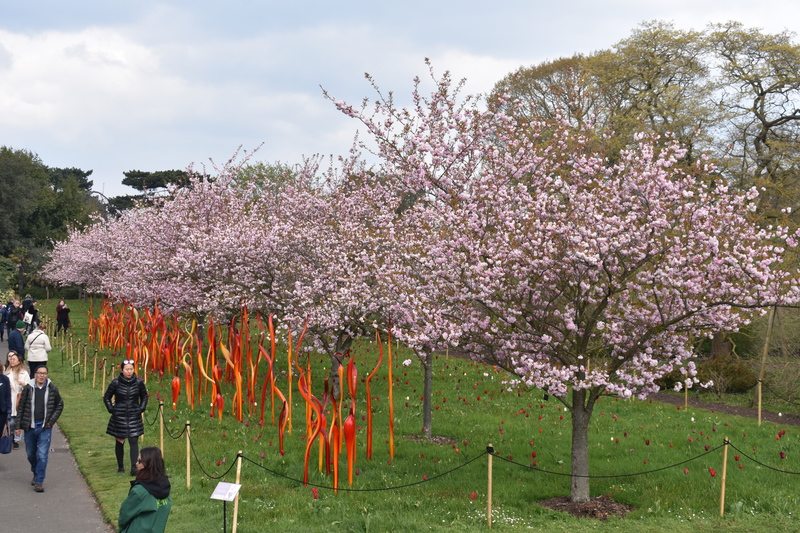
x=129 y=396
x=17 y=372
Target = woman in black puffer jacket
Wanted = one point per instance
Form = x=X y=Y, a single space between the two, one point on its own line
x=130 y=401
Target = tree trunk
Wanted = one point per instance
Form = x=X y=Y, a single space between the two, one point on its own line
x=20 y=278
x=581 y=413
x=427 y=430
x=721 y=347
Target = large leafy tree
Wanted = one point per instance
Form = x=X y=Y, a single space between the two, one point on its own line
x=39 y=205
x=760 y=97
x=151 y=185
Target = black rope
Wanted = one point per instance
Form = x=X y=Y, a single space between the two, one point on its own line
x=779 y=396
x=366 y=490
x=179 y=435
x=199 y=464
x=155 y=418
x=614 y=475
x=764 y=465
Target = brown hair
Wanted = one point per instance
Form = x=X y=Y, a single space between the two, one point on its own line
x=152 y=464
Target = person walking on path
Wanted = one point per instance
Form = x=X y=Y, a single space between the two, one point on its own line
x=129 y=396
x=148 y=504
x=62 y=317
x=34 y=313
x=14 y=315
x=38 y=346
x=39 y=408
x=15 y=341
x=18 y=374
x=26 y=302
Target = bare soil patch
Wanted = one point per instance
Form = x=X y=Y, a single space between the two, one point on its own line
x=599 y=508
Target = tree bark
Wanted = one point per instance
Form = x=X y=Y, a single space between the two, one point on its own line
x=721 y=347
x=581 y=413
x=427 y=429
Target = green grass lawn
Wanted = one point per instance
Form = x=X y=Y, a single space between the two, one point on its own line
x=649 y=455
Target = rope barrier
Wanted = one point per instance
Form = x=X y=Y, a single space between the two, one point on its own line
x=778 y=396
x=367 y=490
x=194 y=452
x=611 y=476
x=175 y=437
x=759 y=463
x=155 y=418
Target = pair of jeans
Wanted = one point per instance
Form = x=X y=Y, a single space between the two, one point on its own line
x=37 y=444
x=13 y=423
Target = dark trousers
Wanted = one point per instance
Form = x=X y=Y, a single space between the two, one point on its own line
x=33 y=365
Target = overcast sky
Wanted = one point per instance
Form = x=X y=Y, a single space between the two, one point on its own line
x=120 y=85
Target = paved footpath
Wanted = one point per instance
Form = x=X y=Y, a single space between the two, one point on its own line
x=66 y=505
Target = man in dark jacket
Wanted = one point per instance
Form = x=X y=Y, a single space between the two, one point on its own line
x=14 y=314
x=39 y=407
x=15 y=341
x=26 y=303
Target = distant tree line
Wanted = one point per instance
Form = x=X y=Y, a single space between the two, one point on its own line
x=39 y=206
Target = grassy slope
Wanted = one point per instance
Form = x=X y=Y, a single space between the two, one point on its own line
x=517 y=423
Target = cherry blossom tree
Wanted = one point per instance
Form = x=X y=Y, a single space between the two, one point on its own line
x=580 y=276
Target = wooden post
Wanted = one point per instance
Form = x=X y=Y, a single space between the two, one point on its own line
x=724 y=476
x=758 y=393
x=94 y=369
x=188 y=455
x=161 y=421
x=236 y=500
x=85 y=362
x=489 y=449
x=685 y=397
x=104 y=374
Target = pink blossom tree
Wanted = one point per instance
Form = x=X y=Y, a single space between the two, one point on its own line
x=579 y=275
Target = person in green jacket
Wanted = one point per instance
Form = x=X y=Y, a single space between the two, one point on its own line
x=147 y=506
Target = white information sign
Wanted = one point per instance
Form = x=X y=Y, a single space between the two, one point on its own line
x=225 y=491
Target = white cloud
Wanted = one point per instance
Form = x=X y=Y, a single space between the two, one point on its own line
x=157 y=85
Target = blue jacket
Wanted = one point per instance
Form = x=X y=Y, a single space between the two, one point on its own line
x=15 y=342
x=5 y=394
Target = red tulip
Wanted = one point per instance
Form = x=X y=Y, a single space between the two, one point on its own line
x=783 y=455
x=473 y=496
x=712 y=472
